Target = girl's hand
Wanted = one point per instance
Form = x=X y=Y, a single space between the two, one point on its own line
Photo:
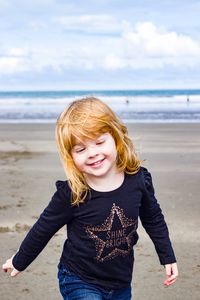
x=172 y=273
x=8 y=265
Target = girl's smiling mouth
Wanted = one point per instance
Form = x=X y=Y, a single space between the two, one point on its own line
x=96 y=163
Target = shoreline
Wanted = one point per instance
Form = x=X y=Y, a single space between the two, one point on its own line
x=126 y=121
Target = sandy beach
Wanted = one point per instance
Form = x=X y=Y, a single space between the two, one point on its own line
x=30 y=165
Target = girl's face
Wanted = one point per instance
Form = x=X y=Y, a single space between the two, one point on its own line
x=96 y=158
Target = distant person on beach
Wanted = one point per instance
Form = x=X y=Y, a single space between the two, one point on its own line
x=105 y=193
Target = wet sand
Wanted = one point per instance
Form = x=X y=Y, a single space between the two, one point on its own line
x=30 y=165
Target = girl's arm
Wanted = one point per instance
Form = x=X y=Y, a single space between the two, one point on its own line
x=56 y=215
x=154 y=223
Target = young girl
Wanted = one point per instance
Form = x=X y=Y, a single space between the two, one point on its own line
x=106 y=191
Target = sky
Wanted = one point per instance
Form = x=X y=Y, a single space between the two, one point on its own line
x=99 y=44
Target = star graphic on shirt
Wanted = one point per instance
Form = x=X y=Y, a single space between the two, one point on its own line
x=115 y=236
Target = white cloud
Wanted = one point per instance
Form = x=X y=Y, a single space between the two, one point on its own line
x=10 y=65
x=149 y=47
x=98 y=23
x=15 y=60
x=153 y=41
x=37 y=25
x=18 y=52
x=143 y=46
x=113 y=62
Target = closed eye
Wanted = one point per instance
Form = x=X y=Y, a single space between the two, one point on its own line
x=99 y=142
x=79 y=150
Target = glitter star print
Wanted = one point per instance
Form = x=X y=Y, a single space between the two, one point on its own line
x=115 y=237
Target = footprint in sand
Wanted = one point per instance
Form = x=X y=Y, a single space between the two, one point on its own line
x=19 y=228
x=4 y=207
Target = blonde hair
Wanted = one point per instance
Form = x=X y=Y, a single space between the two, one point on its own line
x=87 y=118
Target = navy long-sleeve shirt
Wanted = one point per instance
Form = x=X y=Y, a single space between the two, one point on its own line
x=102 y=231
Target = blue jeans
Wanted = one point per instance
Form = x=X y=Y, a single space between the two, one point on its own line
x=73 y=287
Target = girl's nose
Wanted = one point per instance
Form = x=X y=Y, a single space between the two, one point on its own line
x=92 y=151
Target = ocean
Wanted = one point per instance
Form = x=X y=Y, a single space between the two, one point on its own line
x=130 y=105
